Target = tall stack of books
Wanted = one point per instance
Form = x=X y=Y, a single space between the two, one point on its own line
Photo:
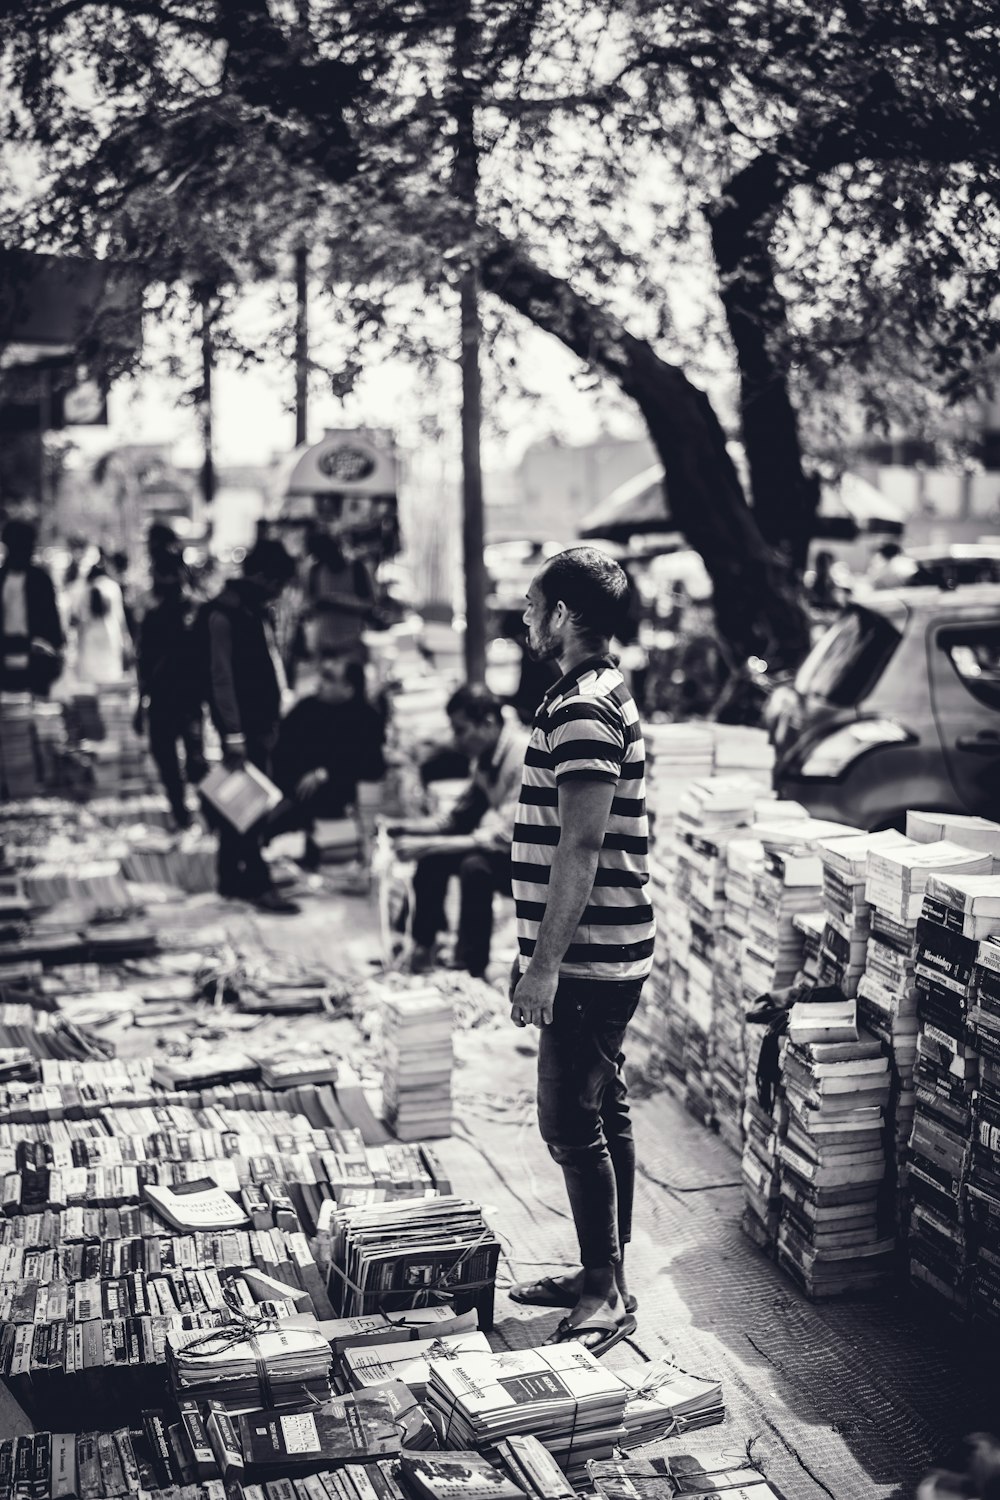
x=847 y=914
x=709 y=814
x=762 y=1131
x=791 y=882
x=832 y=1158
x=417 y=1064
x=959 y=913
x=560 y=1393
x=887 y=997
x=982 y=1192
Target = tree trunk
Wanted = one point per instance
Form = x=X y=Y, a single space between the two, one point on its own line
x=784 y=497
x=756 y=605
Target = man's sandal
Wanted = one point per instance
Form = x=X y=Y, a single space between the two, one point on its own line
x=610 y=1333
x=547 y=1291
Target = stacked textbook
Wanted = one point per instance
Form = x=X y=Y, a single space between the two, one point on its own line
x=417 y=1064
x=832 y=1158
x=560 y=1393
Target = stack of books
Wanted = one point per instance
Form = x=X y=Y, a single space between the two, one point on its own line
x=959 y=912
x=744 y=859
x=710 y=813
x=762 y=1132
x=533 y=1469
x=957 y=828
x=847 y=914
x=255 y=1362
x=666 y=1401
x=836 y=1085
x=392 y=1256
x=560 y=1393
x=448 y=1476
x=982 y=1192
x=370 y=1364
x=887 y=996
x=417 y=1064
x=791 y=882
x=663 y=1478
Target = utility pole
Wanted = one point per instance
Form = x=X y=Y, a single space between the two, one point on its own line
x=466 y=181
x=301 y=346
x=207 y=477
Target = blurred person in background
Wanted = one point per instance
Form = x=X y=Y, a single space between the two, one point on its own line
x=169 y=676
x=102 y=636
x=32 y=633
x=245 y=686
x=329 y=742
x=474 y=841
x=341 y=595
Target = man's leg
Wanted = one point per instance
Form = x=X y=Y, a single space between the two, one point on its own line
x=163 y=733
x=577 y=1068
x=430 y=886
x=256 y=875
x=480 y=875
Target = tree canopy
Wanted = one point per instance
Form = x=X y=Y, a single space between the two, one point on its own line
x=806 y=195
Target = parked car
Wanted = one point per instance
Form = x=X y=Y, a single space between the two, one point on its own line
x=942 y=567
x=897 y=706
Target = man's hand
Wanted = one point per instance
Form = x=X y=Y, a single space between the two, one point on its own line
x=412 y=846
x=533 y=998
x=234 y=757
x=139 y=719
x=310 y=784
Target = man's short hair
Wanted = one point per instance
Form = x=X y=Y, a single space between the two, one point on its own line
x=593 y=588
x=269 y=558
x=475 y=703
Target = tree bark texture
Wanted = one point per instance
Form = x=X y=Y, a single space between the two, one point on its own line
x=785 y=498
x=756 y=607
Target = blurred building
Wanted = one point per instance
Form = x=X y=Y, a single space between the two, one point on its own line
x=556 y=484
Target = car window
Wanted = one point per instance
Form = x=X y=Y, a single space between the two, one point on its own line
x=848 y=660
x=974 y=653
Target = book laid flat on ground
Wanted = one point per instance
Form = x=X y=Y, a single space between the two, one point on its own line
x=201 y=1204
x=267 y=1444
x=242 y=797
x=455 y=1475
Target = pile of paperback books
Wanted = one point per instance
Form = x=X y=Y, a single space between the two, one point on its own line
x=560 y=1393
x=417 y=1064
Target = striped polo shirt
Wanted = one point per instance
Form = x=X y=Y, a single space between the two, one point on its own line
x=587 y=729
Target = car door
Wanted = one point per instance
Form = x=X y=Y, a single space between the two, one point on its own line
x=964 y=660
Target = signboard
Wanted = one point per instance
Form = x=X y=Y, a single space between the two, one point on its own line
x=346 y=462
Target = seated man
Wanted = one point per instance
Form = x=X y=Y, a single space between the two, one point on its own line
x=326 y=745
x=473 y=842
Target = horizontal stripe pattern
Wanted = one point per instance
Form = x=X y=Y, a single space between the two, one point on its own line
x=587 y=729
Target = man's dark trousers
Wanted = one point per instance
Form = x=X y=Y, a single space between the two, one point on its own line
x=167 y=726
x=242 y=868
x=583 y=1111
x=480 y=873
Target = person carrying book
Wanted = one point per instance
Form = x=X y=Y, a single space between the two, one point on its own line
x=579 y=868
x=244 y=690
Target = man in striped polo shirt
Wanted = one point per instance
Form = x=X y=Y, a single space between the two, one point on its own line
x=585 y=927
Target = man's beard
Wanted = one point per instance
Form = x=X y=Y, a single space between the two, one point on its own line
x=546 y=650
